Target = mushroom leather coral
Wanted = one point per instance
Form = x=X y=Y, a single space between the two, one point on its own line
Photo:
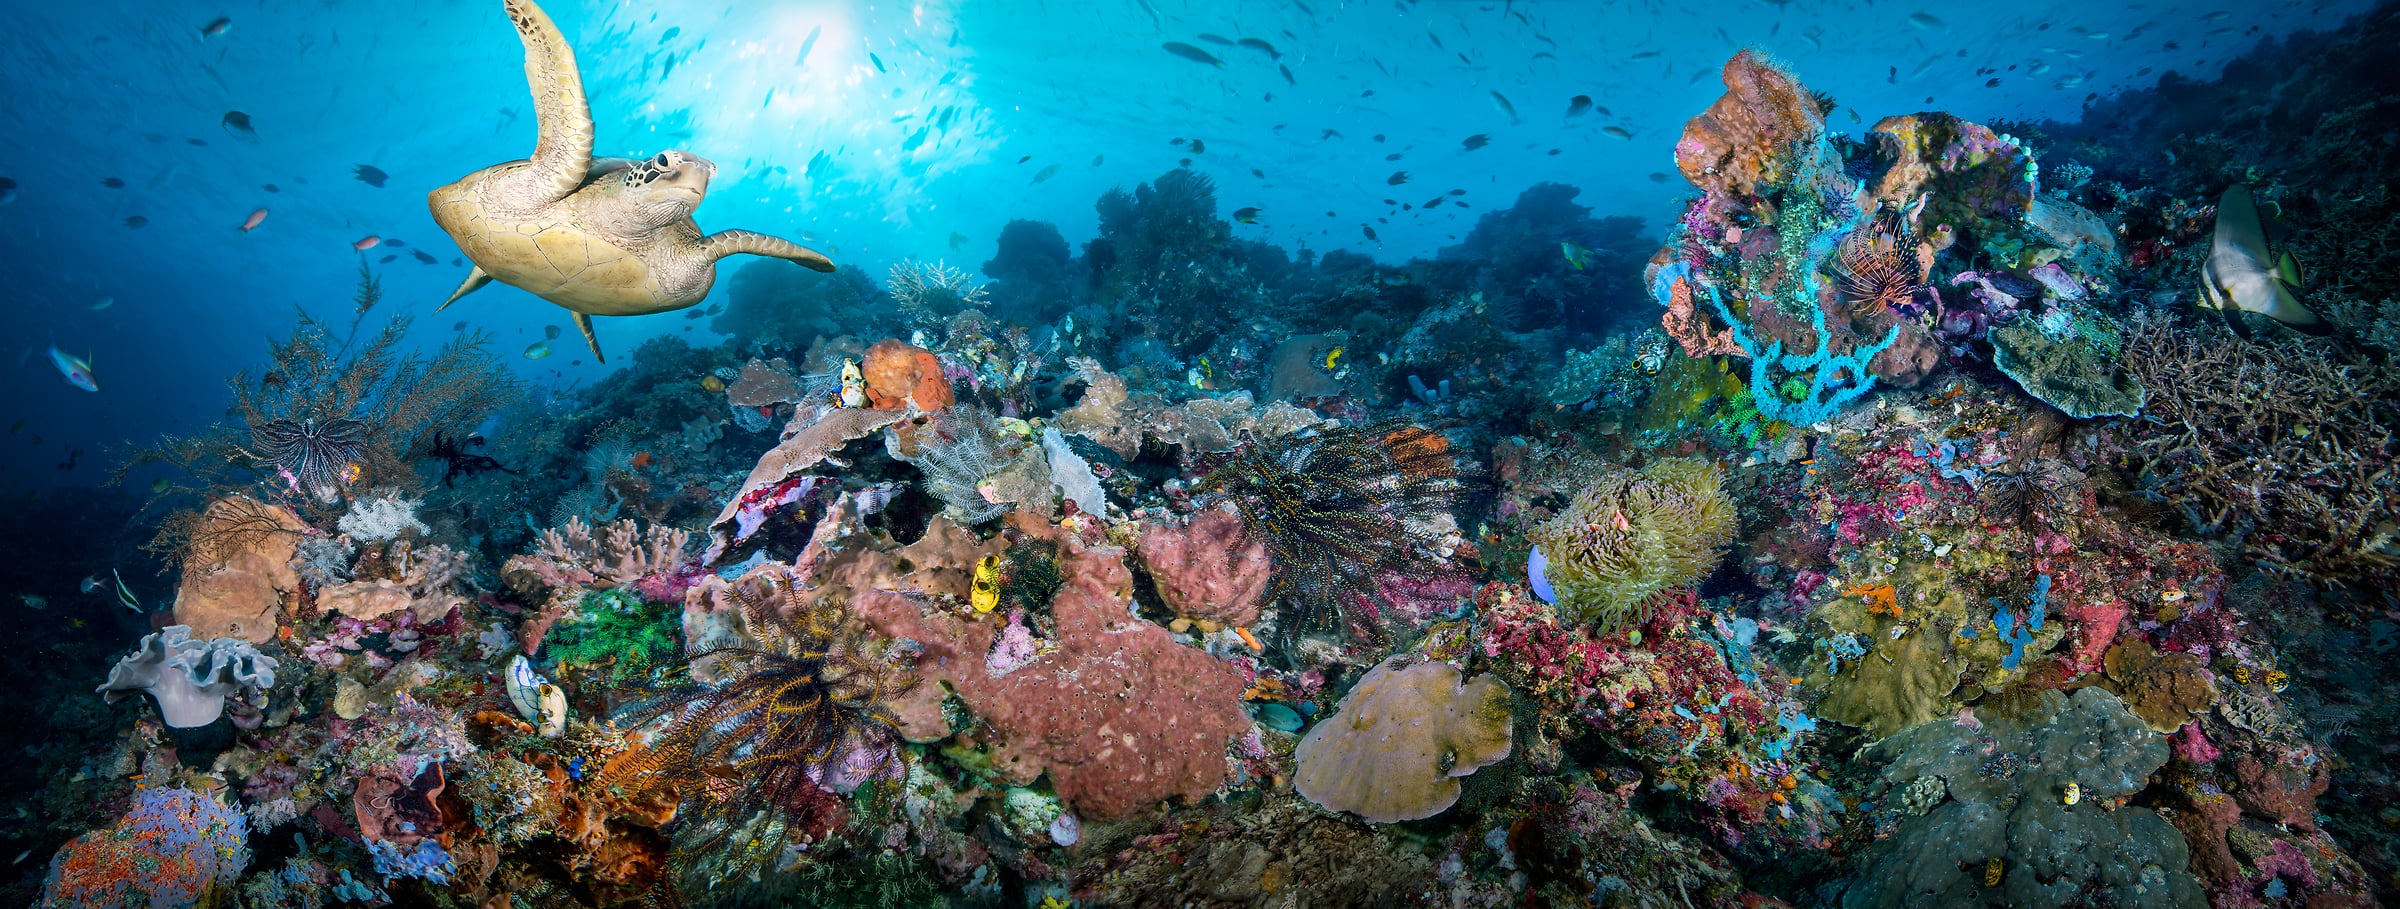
x=235 y=594
x=1401 y=740
x=1119 y=714
x=1205 y=569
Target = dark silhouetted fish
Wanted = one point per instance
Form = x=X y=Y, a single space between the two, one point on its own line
x=1216 y=39
x=1370 y=233
x=808 y=44
x=387 y=260
x=137 y=222
x=1287 y=74
x=672 y=31
x=423 y=257
x=1199 y=148
x=237 y=125
x=1398 y=177
x=216 y=27
x=1476 y=141
x=1505 y=107
x=270 y=187
x=878 y=61
x=1191 y=53
x=1579 y=105
x=1246 y=215
x=1262 y=47
x=112 y=183
x=369 y=174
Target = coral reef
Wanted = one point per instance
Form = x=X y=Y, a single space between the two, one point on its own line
x=1630 y=535
x=1206 y=569
x=173 y=849
x=1396 y=747
x=2031 y=789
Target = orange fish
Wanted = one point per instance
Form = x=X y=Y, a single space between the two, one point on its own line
x=643 y=460
x=366 y=243
x=253 y=220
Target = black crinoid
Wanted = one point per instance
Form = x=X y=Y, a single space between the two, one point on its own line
x=1341 y=512
x=318 y=458
x=795 y=712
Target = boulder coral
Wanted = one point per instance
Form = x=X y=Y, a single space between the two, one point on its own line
x=2038 y=789
x=1401 y=740
x=1744 y=140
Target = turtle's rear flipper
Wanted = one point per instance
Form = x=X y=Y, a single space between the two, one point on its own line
x=584 y=322
x=476 y=279
x=735 y=242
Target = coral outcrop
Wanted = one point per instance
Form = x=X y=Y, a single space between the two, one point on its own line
x=1401 y=740
x=240 y=570
x=1632 y=534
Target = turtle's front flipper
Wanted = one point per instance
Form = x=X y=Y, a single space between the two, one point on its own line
x=476 y=279
x=733 y=242
x=583 y=321
x=562 y=151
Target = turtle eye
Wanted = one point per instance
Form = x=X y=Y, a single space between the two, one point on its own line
x=661 y=160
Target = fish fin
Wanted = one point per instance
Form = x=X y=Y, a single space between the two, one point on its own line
x=583 y=322
x=2287 y=268
x=2234 y=320
x=2288 y=310
x=735 y=242
x=562 y=150
x=476 y=279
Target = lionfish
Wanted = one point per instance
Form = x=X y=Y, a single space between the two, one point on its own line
x=1882 y=266
x=320 y=458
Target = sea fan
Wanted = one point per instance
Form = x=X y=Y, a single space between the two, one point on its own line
x=803 y=712
x=320 y=458
x=1340 y=511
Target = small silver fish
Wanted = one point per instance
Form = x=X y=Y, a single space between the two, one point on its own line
x=33 y=601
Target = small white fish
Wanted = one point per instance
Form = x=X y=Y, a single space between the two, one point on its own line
x=34 y=602
x=125 y=595
x=1924 y=20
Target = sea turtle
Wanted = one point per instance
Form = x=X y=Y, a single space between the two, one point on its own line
x=599 y=236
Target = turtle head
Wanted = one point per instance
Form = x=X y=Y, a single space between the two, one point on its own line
x=670 y=183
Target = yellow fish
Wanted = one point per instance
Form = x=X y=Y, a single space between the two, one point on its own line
x=1332 y=356
x=985 y=595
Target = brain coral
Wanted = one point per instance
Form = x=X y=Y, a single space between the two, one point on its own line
x=1402 y=739
x=1633 y=534
x=2007 y=779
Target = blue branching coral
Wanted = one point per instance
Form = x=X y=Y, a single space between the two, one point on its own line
x=1834 y=380
x=2014 y=634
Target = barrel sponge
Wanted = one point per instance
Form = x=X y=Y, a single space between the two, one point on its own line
x=1402 y=739
x=1633 y=534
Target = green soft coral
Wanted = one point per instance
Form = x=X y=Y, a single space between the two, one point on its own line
x=618 y=630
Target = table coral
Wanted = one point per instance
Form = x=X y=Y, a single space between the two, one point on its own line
x=1401 y=740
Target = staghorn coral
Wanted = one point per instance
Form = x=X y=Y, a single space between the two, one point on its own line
x=2286 y=446
x=574 y=556
x=805 y=709
x=934 y=289
x=1337 y=509
x=1630 y=535
x=1402 y=738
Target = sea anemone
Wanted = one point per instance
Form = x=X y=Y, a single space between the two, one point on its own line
x=1631 y=535
x=801 y=711
x=1340 y=510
